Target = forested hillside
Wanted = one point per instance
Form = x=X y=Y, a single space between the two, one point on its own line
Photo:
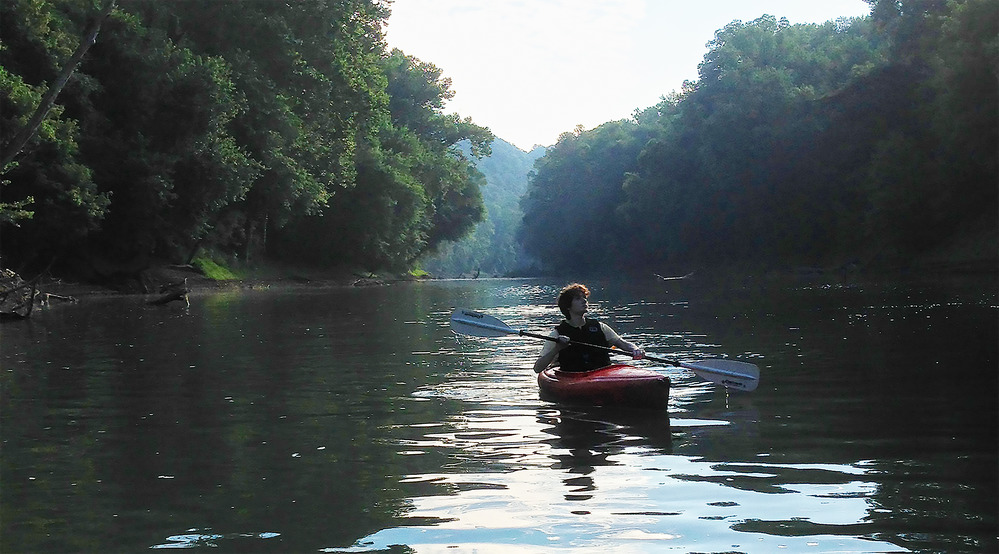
x=492 y=249
x=868 y=142
x=251 y=130
x=240 y=128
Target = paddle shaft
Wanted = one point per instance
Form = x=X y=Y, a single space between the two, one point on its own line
x=694 y=367
x=521 y=332
x=512 y=331
x=597 y=346
x=741 y=376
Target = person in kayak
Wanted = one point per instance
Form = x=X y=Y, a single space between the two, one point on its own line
x=575 y=331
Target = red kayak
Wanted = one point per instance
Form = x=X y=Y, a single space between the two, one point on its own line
x=617 y=385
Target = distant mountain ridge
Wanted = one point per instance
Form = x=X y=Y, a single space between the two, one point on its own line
x=491 y=250
x=508 y=166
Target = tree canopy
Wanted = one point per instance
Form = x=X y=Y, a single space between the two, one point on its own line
x=871 y=139
x=248 y=127
x=254 y=128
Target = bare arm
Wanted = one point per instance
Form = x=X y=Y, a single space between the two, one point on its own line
x=614 y=339
x=549 y=353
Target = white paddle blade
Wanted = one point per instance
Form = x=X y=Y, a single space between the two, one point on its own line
x=729 y=373
x=476 y=324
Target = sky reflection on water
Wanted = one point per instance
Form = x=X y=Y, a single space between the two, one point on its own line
x=352 y=420
x=595 y=485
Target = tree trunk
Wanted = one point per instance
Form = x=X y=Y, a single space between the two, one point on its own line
x=15 y=145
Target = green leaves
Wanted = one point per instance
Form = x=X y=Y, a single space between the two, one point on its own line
x=871 y=139
x=232 y=125
x=50 y=197
x=414 y=189
x=569 y=207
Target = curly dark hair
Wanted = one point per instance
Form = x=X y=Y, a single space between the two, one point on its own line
x=568 y=294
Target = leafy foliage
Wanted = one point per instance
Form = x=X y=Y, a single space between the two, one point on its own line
x=257 y=127
x=574 y=194
x=248 y=127
x=50 y=196
x=415 y=188
x=869 y=139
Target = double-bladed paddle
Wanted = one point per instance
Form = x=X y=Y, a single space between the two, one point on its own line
x=729 y=373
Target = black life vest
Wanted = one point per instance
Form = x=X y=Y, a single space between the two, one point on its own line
x=583 y=358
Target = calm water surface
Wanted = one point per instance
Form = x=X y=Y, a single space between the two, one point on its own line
x=353 y=420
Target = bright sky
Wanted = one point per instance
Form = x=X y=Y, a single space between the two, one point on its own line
x=533 y=69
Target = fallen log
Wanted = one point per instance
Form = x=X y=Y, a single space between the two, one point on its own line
x=45 y=298
x=676 y=278
x=178 y=293
x=170 y=297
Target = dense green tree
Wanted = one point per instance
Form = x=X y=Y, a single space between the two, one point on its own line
x=932 y=170
x=415 y=187
x=910 y=26
x=159 y=143
x=728 y=174
x=870 y=139
x=417 y=92
x=232 y=125
x=965 y=109
x=287 y=128
x=48 y=193
x=569 y=210
x=309 y=73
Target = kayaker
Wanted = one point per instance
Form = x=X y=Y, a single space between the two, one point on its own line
x=579 y=329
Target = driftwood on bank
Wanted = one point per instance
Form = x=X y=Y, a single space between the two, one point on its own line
x=676 y=278
x=171 y=292
x=17 y=296
x=46 y=298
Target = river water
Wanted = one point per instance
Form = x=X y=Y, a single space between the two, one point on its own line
x=353 y=420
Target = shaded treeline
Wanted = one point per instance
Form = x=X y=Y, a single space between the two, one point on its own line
x=491 y=249
x=241 y=128
x=870 y=140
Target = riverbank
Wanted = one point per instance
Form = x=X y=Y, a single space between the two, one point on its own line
x=975 y=253
x=162 y=279
x=165 y=284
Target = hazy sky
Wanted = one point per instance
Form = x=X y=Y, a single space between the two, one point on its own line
x=533 y=69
